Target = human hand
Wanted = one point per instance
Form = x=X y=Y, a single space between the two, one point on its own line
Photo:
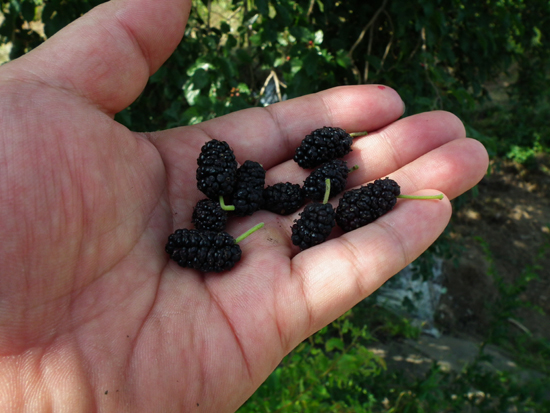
x=93 y=314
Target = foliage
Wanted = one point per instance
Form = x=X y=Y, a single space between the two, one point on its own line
x=437 y=54
x=503 y=330
x=339 y=370
x=323 y=373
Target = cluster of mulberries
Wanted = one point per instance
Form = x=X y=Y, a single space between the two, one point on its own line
x=322 y=149
x=207 y=247
x=241 y=191
x=357 y=207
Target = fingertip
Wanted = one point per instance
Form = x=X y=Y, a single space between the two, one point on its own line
x=107 y=55
x=363 y=107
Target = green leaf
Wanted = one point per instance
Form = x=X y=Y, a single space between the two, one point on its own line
x=192 y=116
x=200 y=79
x=224 y=27
x=243 y=56
x=243 y=88
x=318 y=37
x=333 y=343
x=28 y=11
x=231 y=42
x=348 y=364
x=279 y=61
x=374 y=61
x=262 y=6
x=321 y=5
x=190 y=92
x=311 y=63
x=295 y=65
x=199 y=64
x=256 y=39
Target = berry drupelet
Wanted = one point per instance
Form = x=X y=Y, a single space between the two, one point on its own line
x=336 y=170
x=217 y=169
x=323 y=145
x=248 y=193
x=364 y=205
x=283 y=198
x=315 y=223
x=209 y=215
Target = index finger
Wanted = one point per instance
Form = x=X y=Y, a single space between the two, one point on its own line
x=271 y=135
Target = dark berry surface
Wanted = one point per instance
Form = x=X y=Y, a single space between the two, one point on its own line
x=248 y=194
x=364 y=205
x=323 y=145
x=314 y=186
x=209 y=215
x=314 y=225
x=206 y=251
x=283 y=198
x=217 y=169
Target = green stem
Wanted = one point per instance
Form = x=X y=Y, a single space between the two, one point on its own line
x=356 y=134
x=250 y=231
x=353 y=168
x=226 y=207
x=327 y=190
x=440 y=196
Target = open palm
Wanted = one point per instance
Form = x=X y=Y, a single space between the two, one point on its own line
x=93 y=315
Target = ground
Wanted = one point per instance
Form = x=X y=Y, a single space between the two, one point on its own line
x=506 y=220
x=511 y=215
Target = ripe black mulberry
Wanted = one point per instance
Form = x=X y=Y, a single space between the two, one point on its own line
x=315 y=223
x=203 y=250
x=217 y=169
x=209 y=215
x=323 y=145
x=359 y=207
x=248 y=193
x=283 y=198
x=336 y=170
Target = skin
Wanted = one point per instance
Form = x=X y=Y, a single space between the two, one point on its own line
x=93 y=315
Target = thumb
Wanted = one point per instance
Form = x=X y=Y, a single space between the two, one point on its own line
x=107 y=55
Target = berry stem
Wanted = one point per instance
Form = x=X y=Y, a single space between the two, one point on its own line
x=356 y=134
x=226 y=207
x=440 y=196
x=327 y=190
x=353 y=168
x=250 y=231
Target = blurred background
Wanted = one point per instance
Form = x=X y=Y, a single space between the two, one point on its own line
x=463 y=329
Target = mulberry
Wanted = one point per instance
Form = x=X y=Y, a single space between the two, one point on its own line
x=209 y=215
x=248 y=193
x=206 y=251
x=283 y=198
x=323 y=145
x=315 y=223
x=336 y=170
x=217 y=169
x=364 y=205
